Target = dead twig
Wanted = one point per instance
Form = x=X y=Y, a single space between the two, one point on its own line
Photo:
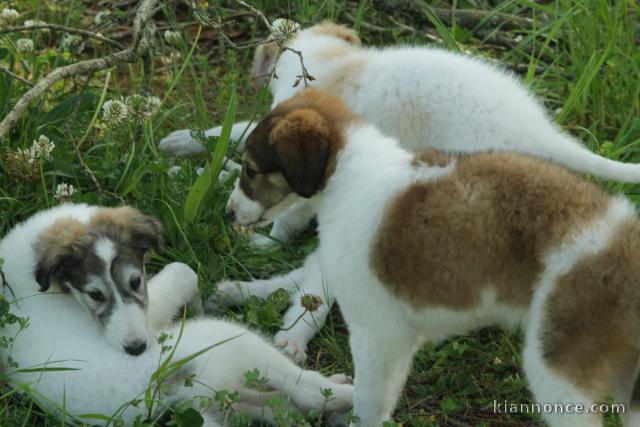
x=62 y=28
x=142 y=34
x=15 y=76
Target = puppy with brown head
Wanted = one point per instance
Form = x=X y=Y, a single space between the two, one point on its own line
x=101 y=263
x=425 y=247
x=289 y=155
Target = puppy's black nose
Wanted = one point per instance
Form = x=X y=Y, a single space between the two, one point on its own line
x=136 y=348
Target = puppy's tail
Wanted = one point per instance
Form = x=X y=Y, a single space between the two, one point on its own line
x=565 y=150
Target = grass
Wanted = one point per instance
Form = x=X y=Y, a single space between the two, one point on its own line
x=581 y=57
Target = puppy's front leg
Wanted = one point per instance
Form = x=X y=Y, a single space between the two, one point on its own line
x=172 y=288
x=233 y=292
x=301 y=325
x=288 y=223
x=382 y=357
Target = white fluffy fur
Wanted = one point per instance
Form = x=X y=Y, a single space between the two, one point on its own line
x=424 y=97
x=63 y=334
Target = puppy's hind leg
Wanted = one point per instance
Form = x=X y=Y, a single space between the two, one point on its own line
x=172 y=288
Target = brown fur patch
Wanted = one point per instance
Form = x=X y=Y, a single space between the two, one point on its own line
x=593 y=318
x=300 y=138
x=487 y=224
x=128 y=226
x=336 y=30
x=431 y=158
x=59 y=247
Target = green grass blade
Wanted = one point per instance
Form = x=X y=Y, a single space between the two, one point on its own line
x=446 y=35
x=205 y=181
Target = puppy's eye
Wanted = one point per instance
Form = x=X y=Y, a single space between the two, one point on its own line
x=97 y=296
x=250 y=172
x=134 y=283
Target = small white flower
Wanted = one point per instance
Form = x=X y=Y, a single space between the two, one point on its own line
x=153 y=103
x=102 y=17
x=282 y=28
x=72 y=43
x=25 y=45
x=9 y=16
x=497 y=361
x=64 y=192
x=172 y=37
x=33 y=22
x=43 y=147
x=171 y=58
x=518 y=38
x=114 y=111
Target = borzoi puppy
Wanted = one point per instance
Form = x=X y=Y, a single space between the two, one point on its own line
x=426 y=246
x=77 y=272
x=425 y=98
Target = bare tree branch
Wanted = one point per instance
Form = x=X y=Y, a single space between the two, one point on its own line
x=62 y=28
x=142 y=33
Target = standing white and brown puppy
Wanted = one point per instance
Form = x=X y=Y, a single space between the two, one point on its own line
x=425 y=246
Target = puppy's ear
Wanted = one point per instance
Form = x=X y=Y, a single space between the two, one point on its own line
x=301 y=140
x=264 y=61
x=340 y=31
x=58 y=251
x=146 y=233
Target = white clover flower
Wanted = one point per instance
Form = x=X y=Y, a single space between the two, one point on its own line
x=142 y=107
x=114 y=111
x=102 y=17
x=43 y=147
x=153 y=103
x=9 y=16
x=72 y=43
x=171 y=58
x=172 y=37
x=282 y=28
x=64 y=192
x=25 y=45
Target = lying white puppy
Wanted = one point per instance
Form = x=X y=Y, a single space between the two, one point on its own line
x=425 y=98
x=427 y=246
x=77 y=272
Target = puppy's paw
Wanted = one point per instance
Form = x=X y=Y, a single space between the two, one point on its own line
x=341 y=401
x=180 y=143
x=340 y=379
x=291 y=346
x=226 y=295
